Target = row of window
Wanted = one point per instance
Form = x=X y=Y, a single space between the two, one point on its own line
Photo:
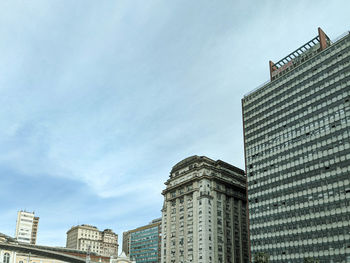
x=328 y=57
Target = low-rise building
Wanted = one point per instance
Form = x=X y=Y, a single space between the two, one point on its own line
x=12 y=251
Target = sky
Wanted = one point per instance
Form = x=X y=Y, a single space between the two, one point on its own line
x=100 y=99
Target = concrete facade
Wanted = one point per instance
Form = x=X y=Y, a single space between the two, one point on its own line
x=204 y=213
x=26 y=227
x=297 y=153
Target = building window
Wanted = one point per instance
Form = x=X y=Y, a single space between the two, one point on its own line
x=6 y=258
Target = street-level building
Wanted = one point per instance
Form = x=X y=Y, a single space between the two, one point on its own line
x=143 y=243
x=297 y=153
x=12 y=251
x=26 y=227
x=89 y=238
x=204 y=216
x=25 y=258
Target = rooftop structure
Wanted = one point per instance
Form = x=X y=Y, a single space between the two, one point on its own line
x=298 y=56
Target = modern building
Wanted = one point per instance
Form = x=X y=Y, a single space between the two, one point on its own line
x=297 y=154
x=204 y=216
x=26 y=227
x=89 y=238
x=143 y=243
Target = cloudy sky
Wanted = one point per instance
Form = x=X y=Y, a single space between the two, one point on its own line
x=99 y=99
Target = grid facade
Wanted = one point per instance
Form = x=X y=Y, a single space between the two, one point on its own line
x=204 y=217
x=297 y=153
x=145 y=243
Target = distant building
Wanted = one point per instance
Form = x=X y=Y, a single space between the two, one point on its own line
x=297 y=154
x=34 y=230
x=123 y=258
x=143 y=243
x=89 y=238
x=204 y=217
x=126 y=242
x=11 y=251
x=26 y=227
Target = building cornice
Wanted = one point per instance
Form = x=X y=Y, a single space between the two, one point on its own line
x=197 y=178
x=144 y=227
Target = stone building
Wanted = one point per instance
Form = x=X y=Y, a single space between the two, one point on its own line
x=89 y=238
x=204 y=217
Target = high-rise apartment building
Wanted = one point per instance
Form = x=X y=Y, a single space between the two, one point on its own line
x=143 y=243
x=26 y=227
x=297 y=153
x=89 y=238
x=204 y=217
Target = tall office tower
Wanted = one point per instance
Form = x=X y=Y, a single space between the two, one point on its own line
x=297 y=153
x=89 y=238
x=26 y=227
x=143 y=243
x=204 y=216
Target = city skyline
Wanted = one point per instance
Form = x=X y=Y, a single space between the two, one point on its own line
x=101 y=100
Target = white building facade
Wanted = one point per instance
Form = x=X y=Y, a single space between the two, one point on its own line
x=26 y=227
x=204 y=217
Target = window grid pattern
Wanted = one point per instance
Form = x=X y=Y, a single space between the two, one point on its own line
x=297 y=150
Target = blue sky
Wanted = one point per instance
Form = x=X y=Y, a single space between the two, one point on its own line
x=99 y=99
